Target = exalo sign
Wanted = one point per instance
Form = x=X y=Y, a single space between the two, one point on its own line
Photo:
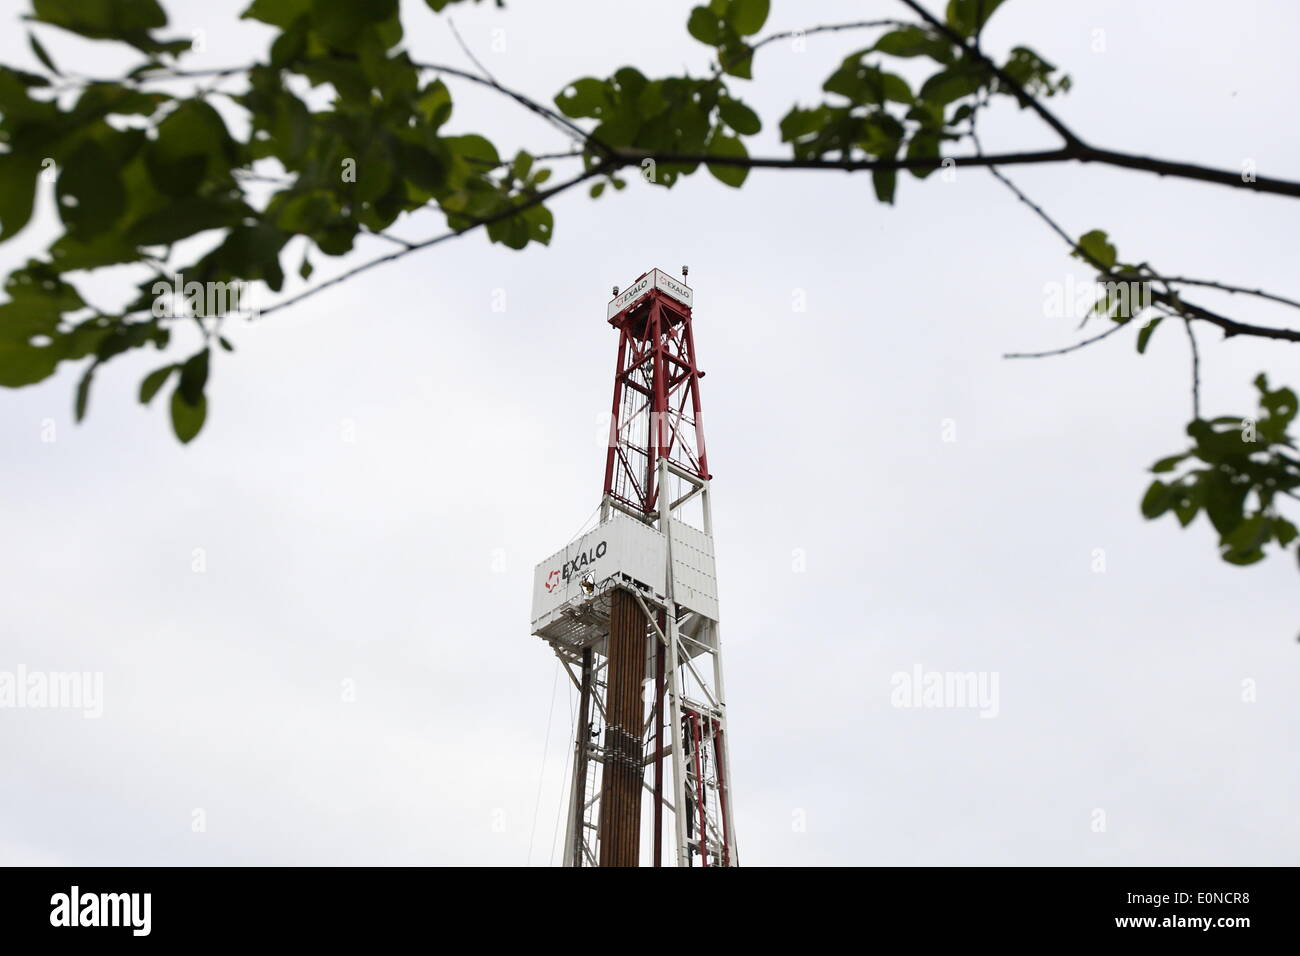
x=620 y=546
x=654 y=279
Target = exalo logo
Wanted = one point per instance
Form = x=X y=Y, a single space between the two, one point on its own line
x=102 y=909
x=575 y=565
x=628 y=296
x=666 y=283
x=552 y=581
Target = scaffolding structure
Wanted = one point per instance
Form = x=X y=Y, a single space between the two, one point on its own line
x=631 y=609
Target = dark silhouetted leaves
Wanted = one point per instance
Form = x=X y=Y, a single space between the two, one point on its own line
x=722 y=145
x=192 y=144
x=1239 y=467
x=39 y=49
x=90 y=191
x=915 y=41
x=154 y=381
x=187 y=417
x=739 y=116
x=130 y=21
x=968 y=17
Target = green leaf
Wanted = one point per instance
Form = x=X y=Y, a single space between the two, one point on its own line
x=90 y=191
x=1284 y=531
x=352 y=26
x=1167 y=464
x=948 y=85
x=130 y=21
x=924 y=145
x=522 y=166
x=739 y=116
x=194 y=377
x=747 y=17
x=798 y=123
x=249 y=252
x=70 y=253
x=1157 y=500
x=187 y=217
x=1144 y=336
x=192 y=144
x=83 y=392
x=1249 y=534
x=434 y=104
x=278 y=13
x=18 y=172
x=914 y=41
x=187 y=418
x=41 y=55
x=730 y=146
x=737 y=59
x=884 y=181
x=705 y=26
x=540 y=224
x=863 y=83
x=375 y=170
x=584 y=97
x=968 y=17
x=154 y=381
x=1095 y=250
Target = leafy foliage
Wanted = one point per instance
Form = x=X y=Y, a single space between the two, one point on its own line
x=1237 y=472
x=140 y=171
x=335 y=132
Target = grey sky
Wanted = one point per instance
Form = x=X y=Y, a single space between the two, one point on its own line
x=375 y=560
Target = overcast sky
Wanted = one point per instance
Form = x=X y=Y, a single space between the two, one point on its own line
x=401 y=560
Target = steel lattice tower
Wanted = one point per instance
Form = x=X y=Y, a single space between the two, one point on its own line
x=631 y=609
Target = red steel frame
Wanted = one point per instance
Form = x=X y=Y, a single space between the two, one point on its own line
x=656 y=414
x=703 y=731
x=655 y=380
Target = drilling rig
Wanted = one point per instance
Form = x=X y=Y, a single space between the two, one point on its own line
x=631 y=609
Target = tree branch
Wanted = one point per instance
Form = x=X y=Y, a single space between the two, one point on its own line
x=1036 y=157
x=1167 y=167
x=1196 y=369
x=534 y=200
x=1230 y=327
x=1069 y=348
x=635 y=156
x=978 y=56
x=1211 y=284
x=825 y=28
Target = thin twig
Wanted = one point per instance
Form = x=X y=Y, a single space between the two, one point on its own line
x=390 y=237
x=826 y=28
x=1069 y=348
x=1230 y=327
x=1071 y=139
x=470 y=53
x=535 y=199
x=1196 y=369
x=845 y=165
x=1211 y=284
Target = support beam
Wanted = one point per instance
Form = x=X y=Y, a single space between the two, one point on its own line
x=580 y=758
x=620 y=800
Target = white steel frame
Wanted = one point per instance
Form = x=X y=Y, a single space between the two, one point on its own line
x=691 y=684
